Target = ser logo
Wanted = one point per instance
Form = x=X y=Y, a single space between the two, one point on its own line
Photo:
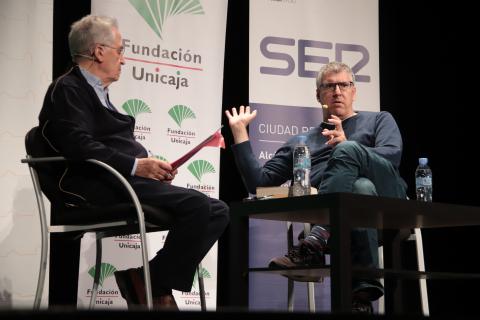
x=156 y=12
x=280 y=49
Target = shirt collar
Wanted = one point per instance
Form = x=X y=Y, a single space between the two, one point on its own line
x=92 y=79
x=96 y=83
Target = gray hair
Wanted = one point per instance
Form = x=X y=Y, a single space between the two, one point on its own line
x=333 y=67
x=88 y=31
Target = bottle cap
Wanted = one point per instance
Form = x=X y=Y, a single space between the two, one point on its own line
x=302 y=139
x=423 y=161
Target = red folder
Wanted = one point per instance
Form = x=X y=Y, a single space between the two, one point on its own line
x=214 y=140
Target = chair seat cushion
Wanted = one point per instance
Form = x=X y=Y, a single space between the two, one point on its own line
x=74 y=215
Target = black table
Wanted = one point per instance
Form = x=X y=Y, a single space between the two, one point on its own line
x=343 y=211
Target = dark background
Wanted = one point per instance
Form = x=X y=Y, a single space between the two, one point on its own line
x=428 y=81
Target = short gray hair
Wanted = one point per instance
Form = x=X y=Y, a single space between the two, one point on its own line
x=88 y=31
x=333 y=67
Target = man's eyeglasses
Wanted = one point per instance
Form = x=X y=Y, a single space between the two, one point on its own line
x=332 y=86
x=120 y=50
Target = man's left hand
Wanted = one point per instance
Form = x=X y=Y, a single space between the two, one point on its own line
x=337 y=135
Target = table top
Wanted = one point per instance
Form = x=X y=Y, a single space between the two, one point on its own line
x=361 y=211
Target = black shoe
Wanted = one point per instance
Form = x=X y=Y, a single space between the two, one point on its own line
x=300 y=256
x=362 y=306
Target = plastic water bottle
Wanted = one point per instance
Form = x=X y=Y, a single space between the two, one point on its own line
x=423 y=181
x=301 y=169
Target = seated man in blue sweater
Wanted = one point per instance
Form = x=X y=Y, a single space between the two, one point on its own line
x=360 y=155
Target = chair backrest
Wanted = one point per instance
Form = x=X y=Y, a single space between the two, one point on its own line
x=48 y=173
x=65 y=209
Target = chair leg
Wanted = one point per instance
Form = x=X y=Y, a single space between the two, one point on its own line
x=42 y=270
x=98 y=266
x=201 y=288
x=381 y=265
x=291 y=283
x=289 y=236
x=310 y=285
x=146 y=265
x=421 y=267
x=291 y=295
x=44 y=239
x=311 y=296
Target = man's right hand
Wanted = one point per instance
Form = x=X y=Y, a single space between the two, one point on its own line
x=239 y=121
x=154 y=168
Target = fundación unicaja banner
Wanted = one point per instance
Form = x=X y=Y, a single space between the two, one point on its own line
x=172 y=85
x=284 y=60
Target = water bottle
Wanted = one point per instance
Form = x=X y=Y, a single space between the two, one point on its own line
x=301 y=169
x=423 y=181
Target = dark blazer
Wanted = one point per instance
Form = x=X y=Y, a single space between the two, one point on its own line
x=76 y=125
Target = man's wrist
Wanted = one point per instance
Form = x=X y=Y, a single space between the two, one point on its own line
x=240 y=135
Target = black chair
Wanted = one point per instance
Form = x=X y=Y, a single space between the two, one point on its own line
x=73 y=221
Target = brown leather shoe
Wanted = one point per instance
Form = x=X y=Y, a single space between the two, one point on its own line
x=300 y=257
x=132 y=287
x=165 y=302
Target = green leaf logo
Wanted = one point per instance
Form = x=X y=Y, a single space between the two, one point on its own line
x=160 y=158
x=156 y=12
x=203 y=274
x=135 y=106
x=157 y=156
x=199 y=167
x=180 y=113
x=106 y=270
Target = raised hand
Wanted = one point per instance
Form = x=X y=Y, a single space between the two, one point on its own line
x=239 y=121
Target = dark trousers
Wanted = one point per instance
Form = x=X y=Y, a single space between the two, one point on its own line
x=199 y=222
x=355 y=168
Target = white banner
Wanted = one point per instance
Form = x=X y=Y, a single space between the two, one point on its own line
x=172 y=84
x=290 y=40
x=26 y=64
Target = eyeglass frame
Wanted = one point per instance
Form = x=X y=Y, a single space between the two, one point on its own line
x=120 y=50
x=332 y=86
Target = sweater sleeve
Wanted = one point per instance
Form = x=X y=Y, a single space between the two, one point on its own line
x=388 y=141
x=275 y=171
